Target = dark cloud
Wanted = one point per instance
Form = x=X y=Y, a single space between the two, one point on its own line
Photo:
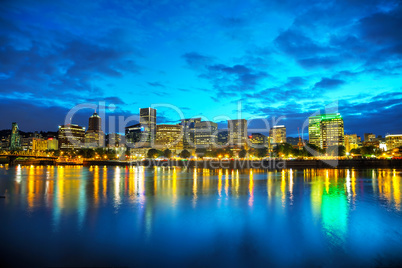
x=155 y=84
x=328 y=83
x=196 y=60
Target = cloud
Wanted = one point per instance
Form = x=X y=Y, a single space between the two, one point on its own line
x=196 y=60
x=328 y=83
x=155 y=84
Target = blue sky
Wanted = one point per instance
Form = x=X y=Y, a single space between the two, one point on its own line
x=277 y=58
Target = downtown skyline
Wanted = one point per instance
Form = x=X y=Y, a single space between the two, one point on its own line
x=286 y=59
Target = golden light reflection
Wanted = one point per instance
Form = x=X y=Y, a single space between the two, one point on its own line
x=396 y=189
x=251 y=189
x=220 y=182
x=195 y=176
x=269 y=185
x=283 y=187
x=117 y=181
x=227 y=182
x=327 y=183
x=174 y=186
x=237 y=183
x=31 y=186
x=353 y=182
x=96 y=185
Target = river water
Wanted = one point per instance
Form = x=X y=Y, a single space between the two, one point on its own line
x=117 y=216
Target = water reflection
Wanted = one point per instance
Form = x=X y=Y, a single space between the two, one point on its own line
x=161 y=198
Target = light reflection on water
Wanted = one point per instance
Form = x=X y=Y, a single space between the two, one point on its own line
x=124 y=216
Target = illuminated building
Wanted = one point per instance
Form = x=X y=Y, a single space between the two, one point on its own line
x=148 y=121
x=169 y=136
x=222 y=137
x=237 y=132
x=136 y=136
x=71 y=136
x=375 y=143
x=314 y=130
x=351 y=142
x=52 y=144
x=205 y=134
x=277 y=134
x=39 y=144
x=393 y=141
x=114 y=140
x=95 y=136
x=27 y=140
x=188 y=132
x=258 y=140
x=326 y=130
x=369 y=137
x=15 y=140
x=332 y=131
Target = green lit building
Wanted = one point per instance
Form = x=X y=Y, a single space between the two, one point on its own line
x=326 y=130
x=15 y=139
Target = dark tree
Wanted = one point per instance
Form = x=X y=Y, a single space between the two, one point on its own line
x=262 y=152
x=242 y=153
x=152 y=153
x=185 y=154
x=167 y=153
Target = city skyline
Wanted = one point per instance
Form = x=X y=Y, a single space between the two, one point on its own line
x=287 y=59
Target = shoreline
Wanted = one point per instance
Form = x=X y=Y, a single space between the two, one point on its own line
x=269 y=164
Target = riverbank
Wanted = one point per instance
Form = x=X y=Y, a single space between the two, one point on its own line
x=232 y=164
x=258 y=164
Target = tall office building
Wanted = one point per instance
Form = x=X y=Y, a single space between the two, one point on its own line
x=169 y=136
x=278 y=134
x=205 y=135
x=148 y=121
x=71 y=136
x=326 y=130
x=188 y=132
x=15 y=139
x=95 y=136
x=237 y=132
x=393 y=141
x=314 y=130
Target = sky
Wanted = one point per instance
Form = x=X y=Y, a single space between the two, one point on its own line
x=276 y=60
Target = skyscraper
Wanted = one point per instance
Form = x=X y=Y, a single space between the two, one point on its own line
x=148 y=121
x=205 y=134
x=278 y=134
x=95 y=136
x=326 y=130
x=188 y=132
x=15 y=140
x=237 y=132
x=314 y=130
